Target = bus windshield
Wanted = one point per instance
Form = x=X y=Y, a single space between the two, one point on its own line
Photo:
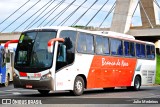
x=31 y=53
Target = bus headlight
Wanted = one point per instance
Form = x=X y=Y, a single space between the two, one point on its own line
x=46 y=76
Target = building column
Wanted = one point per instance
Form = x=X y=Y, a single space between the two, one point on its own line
x=151 y=11
x=122 y=17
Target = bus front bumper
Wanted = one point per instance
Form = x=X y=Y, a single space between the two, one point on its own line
x=46 y=84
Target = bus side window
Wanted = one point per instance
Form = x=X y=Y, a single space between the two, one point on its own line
x=129 y=49
x=102 y=45
x=66 y=49
x=61 y=55
x=85 y=43
x=153 y=52
x=143 y=51
x=126 y=48
x=89 y=42
x=138 y=50
x=150 y=52
x=99 y=44
x=116 y=47
x=81 y=45
x=106 y=46
x=132 y=49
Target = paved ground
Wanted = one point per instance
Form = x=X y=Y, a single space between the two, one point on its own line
x=120 y=97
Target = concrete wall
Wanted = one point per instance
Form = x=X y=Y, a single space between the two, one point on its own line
x=123 y=12
x=9 y=36
x=151 y=11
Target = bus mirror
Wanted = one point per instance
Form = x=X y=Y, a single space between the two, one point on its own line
x=51 y=42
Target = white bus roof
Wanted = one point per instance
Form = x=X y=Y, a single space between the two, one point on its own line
x=116 y=34
x=105 y=33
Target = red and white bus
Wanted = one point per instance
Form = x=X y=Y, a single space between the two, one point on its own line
x=65 y=58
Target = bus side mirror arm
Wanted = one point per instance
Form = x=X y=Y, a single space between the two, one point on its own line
x=7 y=44
x=51 y=42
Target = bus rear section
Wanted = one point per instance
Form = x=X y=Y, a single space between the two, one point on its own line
x=63 y=58
x=7 y=64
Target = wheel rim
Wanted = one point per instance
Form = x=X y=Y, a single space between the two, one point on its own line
x=137 y=84
x=79 y=86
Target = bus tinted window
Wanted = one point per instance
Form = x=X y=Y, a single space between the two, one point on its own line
x=102 y=46
x=138 y=53
x=116 y=47
x=85 y=43
x=150 y=51
x=143 y=51
x=129 y=49
x=140 y=50
x=99 y=44
x=105 y=46
x=70 y=39
x=89 y=43
x=153 y=52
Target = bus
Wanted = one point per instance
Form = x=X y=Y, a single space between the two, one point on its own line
x=6 y=64
x=65 y=58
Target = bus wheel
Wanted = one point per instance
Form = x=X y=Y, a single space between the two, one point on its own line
x=44 y=92
x=137 y=83
x=7 y=81
x=78 y=86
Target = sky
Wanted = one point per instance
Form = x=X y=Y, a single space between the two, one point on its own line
x=7 y=7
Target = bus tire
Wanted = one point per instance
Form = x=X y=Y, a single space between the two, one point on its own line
x=137 y=83
x=7 y=81
x=78 y=86
x=44 y=92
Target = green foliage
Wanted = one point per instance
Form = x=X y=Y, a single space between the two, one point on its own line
x=158 y=70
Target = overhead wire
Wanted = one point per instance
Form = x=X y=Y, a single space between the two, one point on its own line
x=110 y=11
x=84 y=13
x=32 y=15
x=14 y=12
x=21 y=15
x=135 y=8
x=157 y=3
x=28 y=26
x=61 y=13
x=50 y=14
x=71 y=14
x=97 y=12
x=146 y=14
x=47 y=13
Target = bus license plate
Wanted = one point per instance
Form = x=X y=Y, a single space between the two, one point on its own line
x=28 y=86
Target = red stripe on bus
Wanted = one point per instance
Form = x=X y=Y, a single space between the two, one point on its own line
x=107 y=71
x=11 y=41
x=23 y=74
